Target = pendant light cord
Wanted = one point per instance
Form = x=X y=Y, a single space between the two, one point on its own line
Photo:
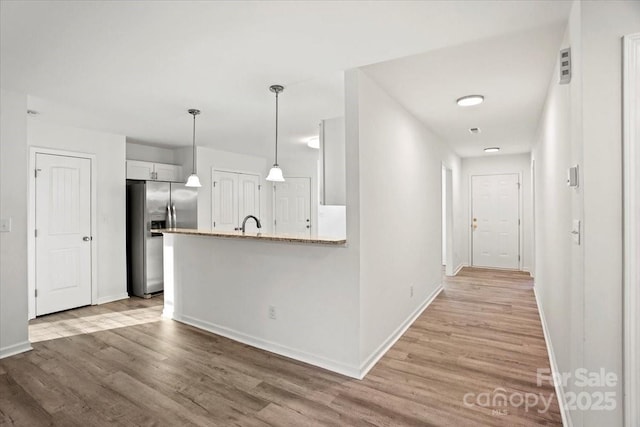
x=276 y=164
x=193 y=165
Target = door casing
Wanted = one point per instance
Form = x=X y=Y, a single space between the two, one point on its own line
x=31 y=224
x=470 y=216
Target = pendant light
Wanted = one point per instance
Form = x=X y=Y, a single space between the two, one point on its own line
x=275 y=174
x=193 y=180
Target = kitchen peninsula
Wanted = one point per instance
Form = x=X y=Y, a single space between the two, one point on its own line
x=297 y=297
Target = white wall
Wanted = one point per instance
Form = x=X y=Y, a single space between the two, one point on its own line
x=580 y=287
x=400 y=213
x=111 y=196
x=148 y=153
x=227 y=286
x=603 y=25
x=13 y=204
x=497 y=164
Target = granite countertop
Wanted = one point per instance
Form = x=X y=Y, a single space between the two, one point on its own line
x=257 y=236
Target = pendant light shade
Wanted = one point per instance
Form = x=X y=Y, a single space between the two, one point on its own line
x=275 y=174
x=193 y=180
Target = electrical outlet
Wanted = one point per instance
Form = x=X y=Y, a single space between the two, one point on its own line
x=411 y=290
x=5 y=225
x=272 y=312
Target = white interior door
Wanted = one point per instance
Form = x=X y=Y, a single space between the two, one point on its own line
x=248 y=200
x=495 y=220
x=292 y=205
x=225 y=201
x=63 y=233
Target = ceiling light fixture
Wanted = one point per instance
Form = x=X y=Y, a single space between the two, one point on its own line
x=275 y=174
x=474 y=130
x=313 y=142
x=491 y=149
x=469 y=100
x=193 y=180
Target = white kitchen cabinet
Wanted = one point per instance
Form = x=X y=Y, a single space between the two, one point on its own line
x=332 y=174
x=149 y=171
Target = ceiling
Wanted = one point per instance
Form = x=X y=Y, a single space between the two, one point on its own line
x=134 y=68
x=512 y=72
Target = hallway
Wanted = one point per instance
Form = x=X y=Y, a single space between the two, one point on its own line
x=480 y=338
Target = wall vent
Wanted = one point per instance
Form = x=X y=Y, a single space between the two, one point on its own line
x=565 y=66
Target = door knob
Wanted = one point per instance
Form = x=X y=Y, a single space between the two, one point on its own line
x=87 y=238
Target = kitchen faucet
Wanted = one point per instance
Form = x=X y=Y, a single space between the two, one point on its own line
x=244 y=222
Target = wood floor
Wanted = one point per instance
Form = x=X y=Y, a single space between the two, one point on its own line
x=481 y=333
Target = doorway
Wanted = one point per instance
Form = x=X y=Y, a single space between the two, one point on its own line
x=292 y=207
x=63 y=239
x=495 y=221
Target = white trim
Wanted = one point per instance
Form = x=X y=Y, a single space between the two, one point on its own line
x=112 y=298
x=14 y=349
x=459 y=267
x=31 y=223
x=562 y=401
x=631 y=173
x=329 y=364
x=377 y=354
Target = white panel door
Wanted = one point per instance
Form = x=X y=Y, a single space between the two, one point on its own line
x=292 y=202
x=63 y=240
x=495 y=221
x=248 y=200
x=225 y=201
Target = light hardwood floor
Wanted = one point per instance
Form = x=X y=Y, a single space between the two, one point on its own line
x=120 y=364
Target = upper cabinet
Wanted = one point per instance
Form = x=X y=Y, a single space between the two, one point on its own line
x=148 y=171
x=333 y=185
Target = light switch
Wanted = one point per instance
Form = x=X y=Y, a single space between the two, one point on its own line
x=575 y=231
x=5 y=225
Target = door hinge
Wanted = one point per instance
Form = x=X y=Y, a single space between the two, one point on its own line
x=518 y=185
x=259 y=187
x=518 y=257
x=518 y=222
x=214 y=224
x=214 y=183
x=35 y=233
x=36 y=172
x=274 y=222
x=36 y=293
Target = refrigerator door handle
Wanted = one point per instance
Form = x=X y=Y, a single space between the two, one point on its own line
x=174 y=216
x=169 y=217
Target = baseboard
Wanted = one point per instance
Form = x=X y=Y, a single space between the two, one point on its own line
x=566 y=418
x=458 y=268
x=14 y=349
x=331 y=365
x=112 y=298
x=377 y=354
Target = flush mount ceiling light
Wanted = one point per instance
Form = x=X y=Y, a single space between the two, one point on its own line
x=193 y=180
x=469 y=100
x=275 y=174
x=313 y=142
x=491 y=149
x=474 y=130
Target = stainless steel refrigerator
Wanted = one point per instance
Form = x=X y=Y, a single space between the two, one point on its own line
x=151 y=206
